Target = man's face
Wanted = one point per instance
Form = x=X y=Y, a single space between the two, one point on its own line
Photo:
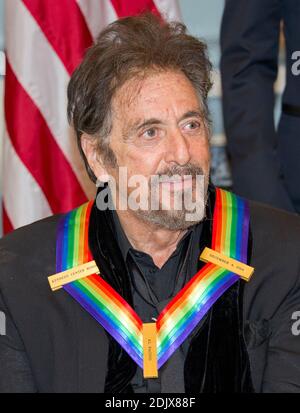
x=158 y=129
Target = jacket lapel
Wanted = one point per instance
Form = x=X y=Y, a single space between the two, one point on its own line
x=93 y=347
x=103 y=245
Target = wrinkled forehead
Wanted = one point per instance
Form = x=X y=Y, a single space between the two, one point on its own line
x=155 y=93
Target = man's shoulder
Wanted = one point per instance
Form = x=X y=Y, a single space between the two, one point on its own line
x=275 y=257
x=277 y=222
x=28 y=248
x=36 y=233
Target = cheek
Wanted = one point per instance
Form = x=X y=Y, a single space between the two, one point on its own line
x=200 y=153
x=141 y=161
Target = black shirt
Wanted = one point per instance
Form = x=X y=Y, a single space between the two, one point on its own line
x=152 y=289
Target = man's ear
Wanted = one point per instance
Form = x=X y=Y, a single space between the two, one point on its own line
x=89 y=147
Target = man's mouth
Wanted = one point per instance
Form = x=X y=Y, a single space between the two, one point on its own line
x=177 y=184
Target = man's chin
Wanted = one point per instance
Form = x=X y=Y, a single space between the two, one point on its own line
x=171 y=220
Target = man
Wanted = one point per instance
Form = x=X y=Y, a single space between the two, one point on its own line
x=156 y=318
x=249 y=64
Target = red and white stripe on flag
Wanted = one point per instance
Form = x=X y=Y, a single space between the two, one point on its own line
x=45 y=41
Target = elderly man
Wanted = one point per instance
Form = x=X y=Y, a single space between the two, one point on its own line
x=114 y=296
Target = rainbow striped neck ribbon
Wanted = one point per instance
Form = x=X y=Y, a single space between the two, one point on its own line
x=187 y=308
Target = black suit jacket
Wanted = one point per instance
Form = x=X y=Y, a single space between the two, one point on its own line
x=66 y=350
x=261 y=157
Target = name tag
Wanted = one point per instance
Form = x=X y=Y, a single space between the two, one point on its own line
x=230 y=264
x=56 y=281
x=150 y=350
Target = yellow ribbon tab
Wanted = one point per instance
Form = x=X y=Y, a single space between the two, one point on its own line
x=56 y=281
x=230 y=264
x=150 y=350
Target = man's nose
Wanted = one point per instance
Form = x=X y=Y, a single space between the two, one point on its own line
x=178 y=148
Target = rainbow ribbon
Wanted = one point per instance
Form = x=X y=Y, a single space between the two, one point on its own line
x=184 y=312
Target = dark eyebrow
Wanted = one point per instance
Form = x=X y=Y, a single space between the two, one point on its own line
x=148 y=122
x=191 y=114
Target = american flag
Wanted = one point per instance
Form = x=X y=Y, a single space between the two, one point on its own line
x=45 y=41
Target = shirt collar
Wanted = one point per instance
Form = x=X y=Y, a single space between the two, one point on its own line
x=125 y=245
